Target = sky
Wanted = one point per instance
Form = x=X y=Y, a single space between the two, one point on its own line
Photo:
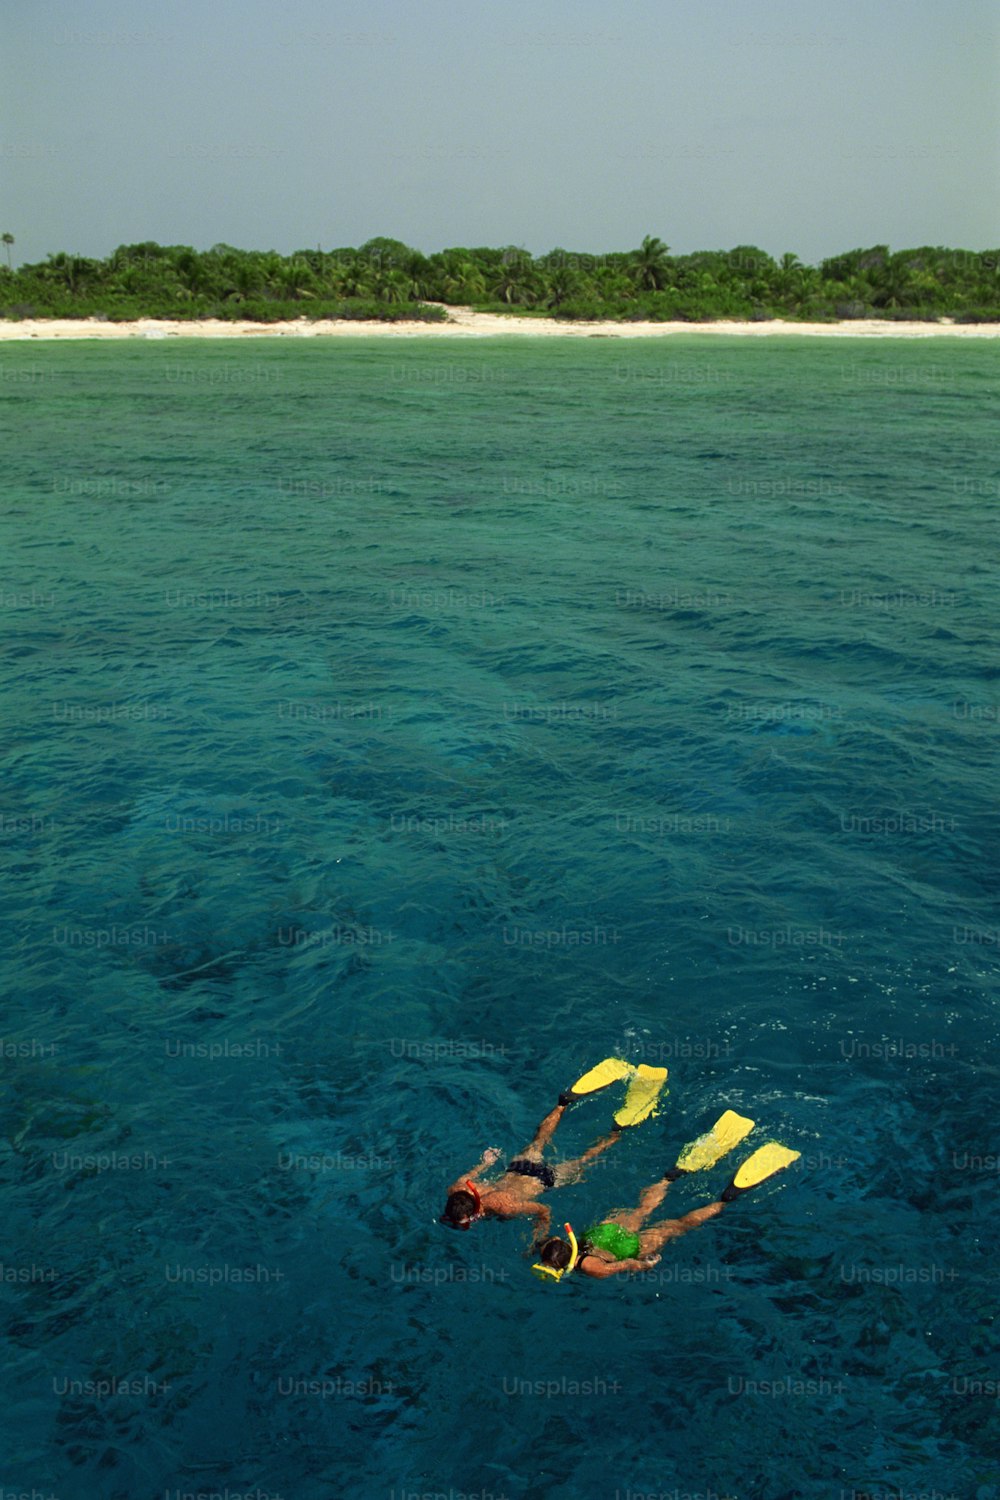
x=795 y=125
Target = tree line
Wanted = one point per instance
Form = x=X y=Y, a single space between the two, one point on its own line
x=386 y=279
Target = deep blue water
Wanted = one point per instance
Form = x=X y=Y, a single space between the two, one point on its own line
x=390 y=731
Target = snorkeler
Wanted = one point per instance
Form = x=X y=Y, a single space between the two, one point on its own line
x=527 y=1176
x=620 y=1244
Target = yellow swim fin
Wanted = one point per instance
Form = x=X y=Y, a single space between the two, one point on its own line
x=608 y=1071
x=643 y=1092
x=727 y=1132
x=757 y=1168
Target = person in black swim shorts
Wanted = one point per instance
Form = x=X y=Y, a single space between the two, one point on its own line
x=522 y=1182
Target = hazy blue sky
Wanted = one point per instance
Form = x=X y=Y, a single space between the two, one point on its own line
x=791 y=124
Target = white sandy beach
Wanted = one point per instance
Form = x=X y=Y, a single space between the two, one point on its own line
x=465 y=322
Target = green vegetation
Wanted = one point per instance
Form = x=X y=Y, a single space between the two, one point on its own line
x=385 y=279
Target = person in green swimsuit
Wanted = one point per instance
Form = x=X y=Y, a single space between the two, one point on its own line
x=620 y=1244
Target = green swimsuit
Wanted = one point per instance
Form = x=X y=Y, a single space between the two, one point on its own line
x=623 y=1244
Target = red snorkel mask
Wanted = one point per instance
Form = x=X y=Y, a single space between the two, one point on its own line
x=473 y=1192
x=470 y=1187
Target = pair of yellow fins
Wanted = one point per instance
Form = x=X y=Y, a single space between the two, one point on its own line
x=646 y=1084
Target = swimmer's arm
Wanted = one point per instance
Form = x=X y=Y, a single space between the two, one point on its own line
x=489 y=1156
x=541 y=1216
x=591 y=1266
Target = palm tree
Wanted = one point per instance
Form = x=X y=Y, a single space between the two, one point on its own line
x=356 y=279
x=8 y=240
x=296 y=279
x=463 y=282
x=270 y=269
x=614 y=285
x=892 y=283
x=71 y=270
x=514 y=279
x=652 y=270
x=565 y=284
x=243 y=275
x=393 y=286
x=852 y=296
x=791 y=278
x=194 y=272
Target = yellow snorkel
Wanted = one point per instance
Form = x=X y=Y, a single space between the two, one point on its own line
x=549 y=1273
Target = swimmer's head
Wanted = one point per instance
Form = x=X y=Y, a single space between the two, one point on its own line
x=556 y=1257
x=555 y=1253
x=460 y=1210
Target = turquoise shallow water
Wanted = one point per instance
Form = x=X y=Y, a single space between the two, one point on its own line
x=390 y=731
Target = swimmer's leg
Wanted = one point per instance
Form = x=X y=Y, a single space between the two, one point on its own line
x=572 y=1171
x=543 y=1134
x=649 y=1201
x=651 y=1239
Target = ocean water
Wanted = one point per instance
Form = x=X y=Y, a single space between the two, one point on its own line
x=390 y=731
